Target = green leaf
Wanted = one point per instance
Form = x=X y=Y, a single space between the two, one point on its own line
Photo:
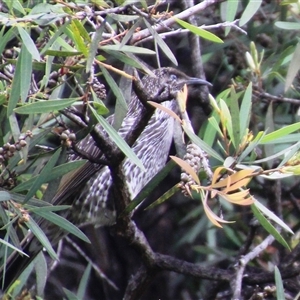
x=15 y=4
x=60 y=53
x=199 y=31
x=99 y=107
x=43 y=175
x=228 y=122
x=252 y=145
x=293 y=68
x=167 y=195
x=125 y=58
x=200 y=143
x=40 y=235
x=288 y=139
x=26 y=71
x=70 y=295
x=62 y=223
x=84 y=282
x=15 y=88
x=245 y=111
x=214 y=123
x=268 y=226
x=123 y=18
x=130 y=49
x=4 y=39
x=55 y=173
x=249 y=12
x=75 y=33
x=123 y=146
x=288 y=152
x=43 y=106
x=271 y=215
x=287 y=25
x=54 y=37
x=230 y=7
x=97 y=37
x=114 y=87
x=280 y=133
x=83 y=33
x=162 y=44
x=279 y=284
x=41 y=269
x=235 y=116
x=12 y=247
x=29 y=44
x=4 y=196
x=47 y=208
x=131 y=31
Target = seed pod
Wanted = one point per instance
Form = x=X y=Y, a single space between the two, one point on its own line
x=6 y=146
x=12 y=148
x=63 y=136
x=72 y=136
x=23 y=143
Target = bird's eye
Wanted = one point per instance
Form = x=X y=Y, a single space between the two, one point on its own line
x=173 y=77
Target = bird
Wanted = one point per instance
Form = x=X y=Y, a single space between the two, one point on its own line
x=88 y=190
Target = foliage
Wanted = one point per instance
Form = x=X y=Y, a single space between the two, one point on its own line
x=57 y=55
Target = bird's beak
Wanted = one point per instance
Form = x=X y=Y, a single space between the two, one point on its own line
x=198 y=81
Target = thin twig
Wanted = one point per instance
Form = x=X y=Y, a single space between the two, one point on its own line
x=237 y=283
x=167 y=23
x=96 y=268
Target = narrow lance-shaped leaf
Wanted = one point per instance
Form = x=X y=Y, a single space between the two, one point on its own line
x=75 y=33
x=55 y=173
x=272 y=216
x=94 y=47
x=245 y=111
x=162 y=44
x=268 y=226
x=250 y=11
x=84 y=282
x=231 y=7
x=43 y=175
x=271 y=137
x=130 y=49
x=26 y=71
x=62 y=223
x=29 y=44
x=15 y=88
x=279 y=284
x=199 y=31
x=233 y=106
x=40 y=235
x=195 y=139
x=227 y=121
x=123 y=146
x=43 y=106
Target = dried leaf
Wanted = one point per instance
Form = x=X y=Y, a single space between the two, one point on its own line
x=187 y=168
x=234 y=178
x=182 y=98
x=212 y=216
x=166 y=110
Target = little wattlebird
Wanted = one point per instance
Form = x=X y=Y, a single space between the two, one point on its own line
x=88 y=190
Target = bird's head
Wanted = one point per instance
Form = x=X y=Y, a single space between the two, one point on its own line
x=176 y=79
